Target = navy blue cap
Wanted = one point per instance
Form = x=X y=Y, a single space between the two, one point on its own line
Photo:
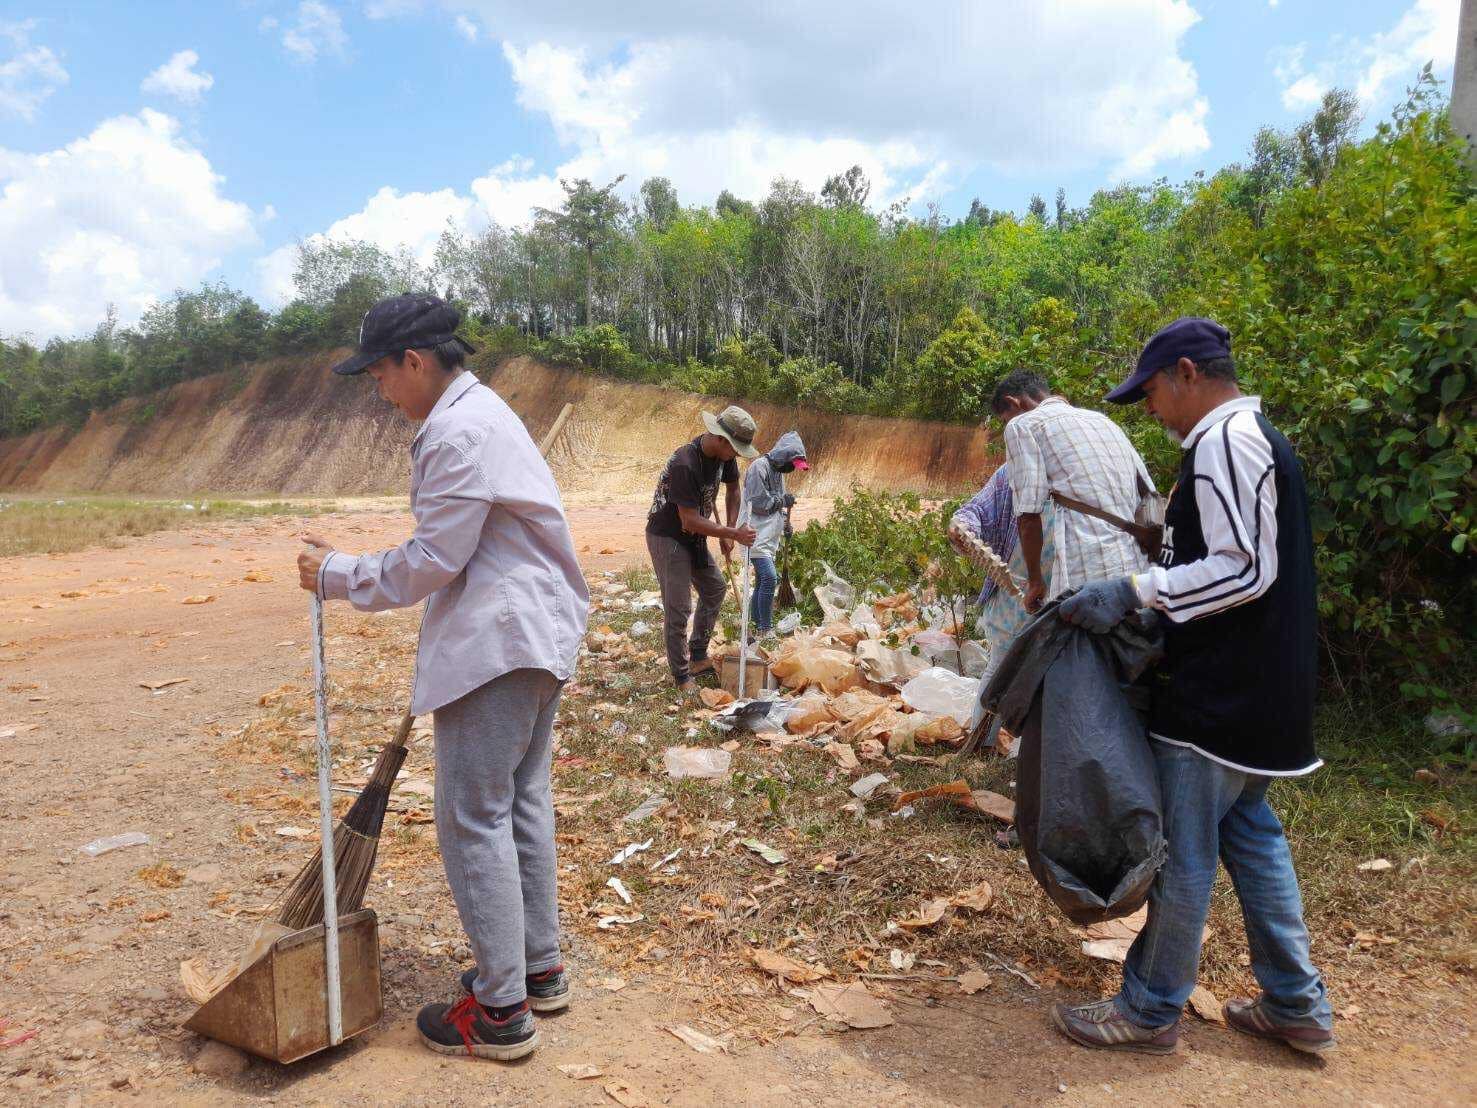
x=1190 y=336
x=409 y=322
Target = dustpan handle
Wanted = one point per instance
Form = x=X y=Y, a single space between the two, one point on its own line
x=325 y=832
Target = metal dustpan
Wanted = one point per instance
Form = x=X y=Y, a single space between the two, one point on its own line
x=314 y=988
x=278 y=1007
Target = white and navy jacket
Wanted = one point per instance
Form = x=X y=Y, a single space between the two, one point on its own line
x=1236 y=580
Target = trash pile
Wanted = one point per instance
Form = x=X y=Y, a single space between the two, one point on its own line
x=877 y=679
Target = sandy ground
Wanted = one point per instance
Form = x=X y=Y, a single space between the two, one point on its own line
x=89 y=952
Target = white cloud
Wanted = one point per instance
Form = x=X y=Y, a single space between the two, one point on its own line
x=72 y=248
x=1376 y=68
x=393 y=9
x=466 y=28
x=29 y=75
x=1426 y=33
x=179 y=78
x=316 y=30
x=390 y=219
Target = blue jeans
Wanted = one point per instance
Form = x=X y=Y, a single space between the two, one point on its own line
x=761 y=604
x=1212 y=810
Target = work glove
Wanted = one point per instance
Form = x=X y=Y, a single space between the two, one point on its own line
x=789 y=501
x=1100 y=606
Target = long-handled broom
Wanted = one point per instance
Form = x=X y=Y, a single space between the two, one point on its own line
x=357 y=836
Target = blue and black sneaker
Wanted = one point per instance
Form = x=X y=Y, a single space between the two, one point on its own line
x=483 y=1033
x=547 y=991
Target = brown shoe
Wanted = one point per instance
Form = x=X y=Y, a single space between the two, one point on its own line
x=688 y=688
x=701 y=665
x=1251 y=1017
x=1102 y=1025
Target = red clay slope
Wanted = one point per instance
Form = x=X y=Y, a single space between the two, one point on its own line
x=294 y=429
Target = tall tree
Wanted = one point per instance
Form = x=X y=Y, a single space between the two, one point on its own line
x=589 y=221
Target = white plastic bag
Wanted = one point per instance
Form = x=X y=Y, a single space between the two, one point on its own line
x=696 y=761
x=942 y=693
x=835 y=596
x=787 y=623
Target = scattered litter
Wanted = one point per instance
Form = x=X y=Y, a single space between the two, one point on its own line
x=696 y=761
x=850 y=1004
x=580 y=1071
x=764 y=850
x=630 y=850
x=155 y=686
x=887 y=665
x=785 y=968
x=613 y=984
x=975 y=899
x=703 y=1044
x=930 y=913
x=1446 y=725
x=619 y=886
x=99 y=847
x=296 y=832
x=835 y=596
x=670 y=857
x=716 y=698
x=1376 y=865
x=868 y=785
x=257 y=576
x=972 y=981
x=787 y=623
x=203 y=598
x=1204 y=1004
x=803 y=665
x=605 y=923
x=900 y=960
x=942 y=693
x=1111 y=939
x=959 y=792
x=1426 y=777
x=624 y=1095
x=648 y=808
x=640 y=627
x=845 y=756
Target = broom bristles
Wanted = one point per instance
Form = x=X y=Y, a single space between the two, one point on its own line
x=355 y=845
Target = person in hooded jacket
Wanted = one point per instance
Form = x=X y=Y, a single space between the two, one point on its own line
x=769 y=504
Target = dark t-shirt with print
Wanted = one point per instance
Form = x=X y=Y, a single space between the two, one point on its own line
x=689 y=480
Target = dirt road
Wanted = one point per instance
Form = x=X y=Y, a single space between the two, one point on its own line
x=89 y=948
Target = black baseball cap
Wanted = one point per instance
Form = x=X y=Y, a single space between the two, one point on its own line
x=1190 y=336
x=410 y=322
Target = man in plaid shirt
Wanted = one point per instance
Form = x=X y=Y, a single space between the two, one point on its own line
x=1053 y=447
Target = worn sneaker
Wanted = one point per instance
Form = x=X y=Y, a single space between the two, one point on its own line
x=699 y=666
x=466 y=1025
x=1251 y=1017
x=1102 y=1025
x=547 y=991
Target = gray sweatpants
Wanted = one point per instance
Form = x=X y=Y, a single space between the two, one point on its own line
x=495 y=826
x=677 y=576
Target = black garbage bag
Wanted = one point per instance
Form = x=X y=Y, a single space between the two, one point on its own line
x=1087 y=790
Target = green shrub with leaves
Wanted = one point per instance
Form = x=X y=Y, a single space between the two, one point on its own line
x=1355 y=317
x=882 y=542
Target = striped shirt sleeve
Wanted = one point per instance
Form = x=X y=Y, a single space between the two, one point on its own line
x=1236 y=496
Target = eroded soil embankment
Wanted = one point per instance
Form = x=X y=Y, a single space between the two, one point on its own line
x=288 y=427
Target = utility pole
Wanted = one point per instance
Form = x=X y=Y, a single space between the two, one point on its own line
x=1464 y=81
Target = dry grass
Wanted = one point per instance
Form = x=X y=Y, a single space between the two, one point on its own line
x=845 y=880
x=62 y=525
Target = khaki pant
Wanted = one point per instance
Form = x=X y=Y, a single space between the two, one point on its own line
x=677 y=576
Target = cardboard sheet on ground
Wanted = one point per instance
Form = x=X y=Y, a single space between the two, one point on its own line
x=850 y=1004
x=958 y=792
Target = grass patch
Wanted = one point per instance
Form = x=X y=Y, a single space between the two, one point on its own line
x=61 y=525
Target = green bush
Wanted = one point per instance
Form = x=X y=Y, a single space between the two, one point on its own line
x=882 y=542
x=1355 y=318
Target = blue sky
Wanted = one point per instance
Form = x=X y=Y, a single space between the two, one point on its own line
x=148 y=146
